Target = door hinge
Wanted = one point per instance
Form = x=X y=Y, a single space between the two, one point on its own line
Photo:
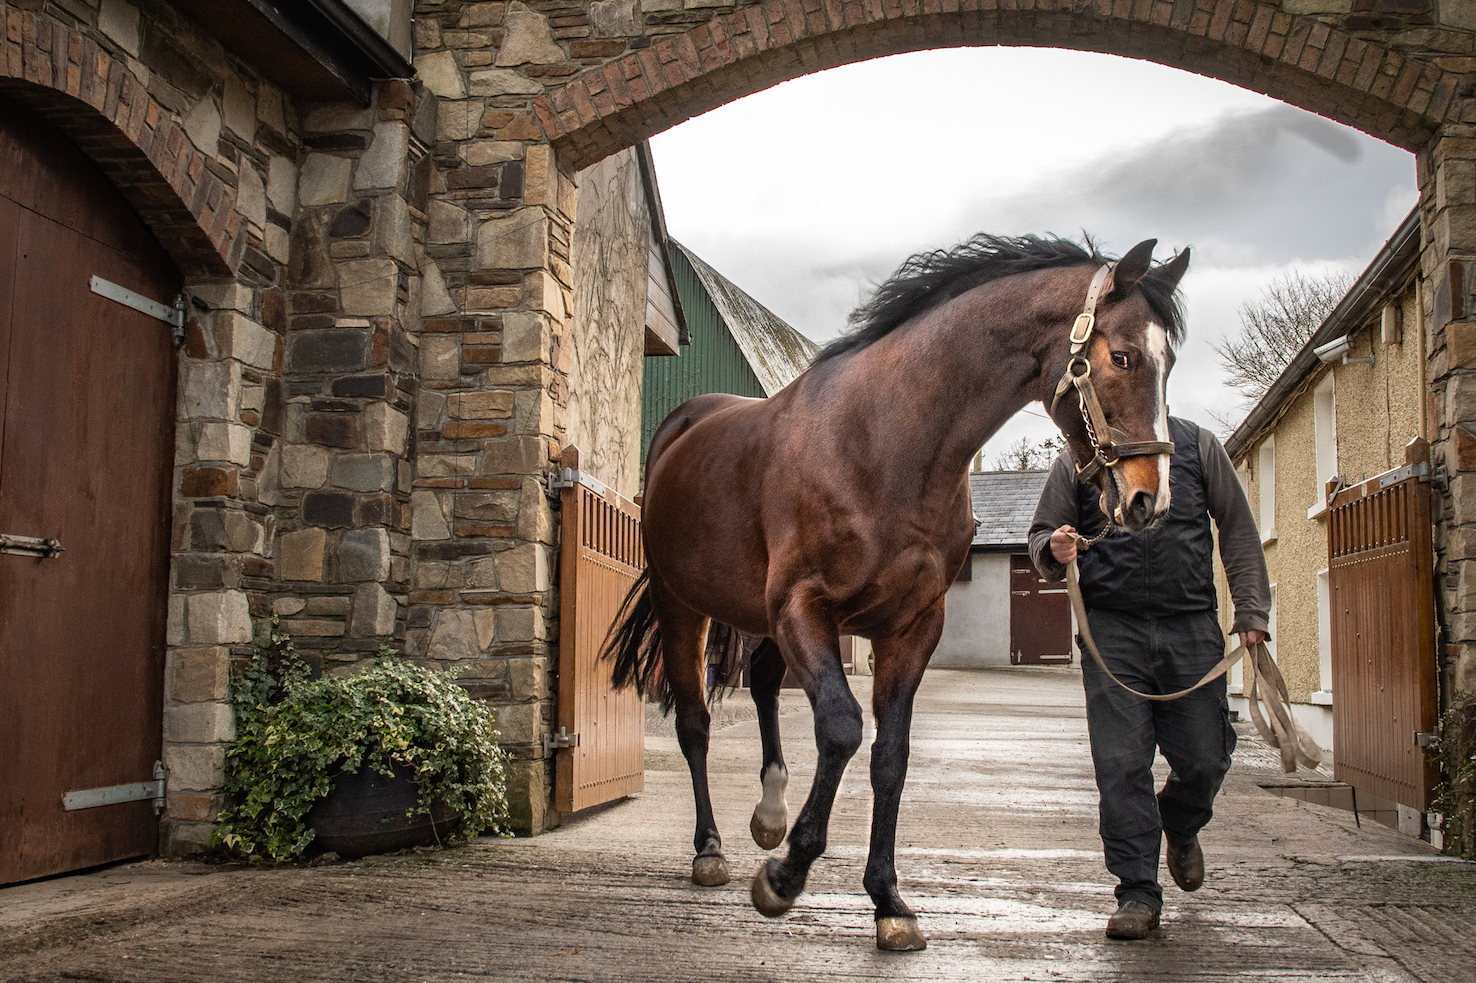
x=46 y=549
x=1426 y=738
x=172 y=316
x=563 y=739
x=110 y=795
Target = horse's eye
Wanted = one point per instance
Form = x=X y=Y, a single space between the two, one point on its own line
x=1120 y=359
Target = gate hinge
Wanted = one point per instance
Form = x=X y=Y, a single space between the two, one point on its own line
x=1420 y=470
x=568 y=478
x=47 y=549
x=1426 y=738
x=563 y=739
x=110 y=795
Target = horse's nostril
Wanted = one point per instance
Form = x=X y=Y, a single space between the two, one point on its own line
x=1141 y=508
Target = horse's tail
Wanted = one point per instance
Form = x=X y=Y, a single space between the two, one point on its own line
x=634 y=645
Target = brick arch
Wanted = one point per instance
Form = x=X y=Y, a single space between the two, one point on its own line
x=105 y=109
x=1397 y=97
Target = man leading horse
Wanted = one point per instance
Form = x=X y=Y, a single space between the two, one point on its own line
x=1151 y=607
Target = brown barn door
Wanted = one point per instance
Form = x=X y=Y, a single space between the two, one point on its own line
x=1381 y=588
x=86 y=458
x=603 y=732
x=1040 y=617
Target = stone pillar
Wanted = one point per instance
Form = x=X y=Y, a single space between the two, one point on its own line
x=1447 y=175
x=493 y=363
x=340 y=477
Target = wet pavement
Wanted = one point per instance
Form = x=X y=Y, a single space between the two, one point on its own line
x=997 y=853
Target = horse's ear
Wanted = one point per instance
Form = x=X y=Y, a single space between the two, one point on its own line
x=1131 y=268
x=1170 y=273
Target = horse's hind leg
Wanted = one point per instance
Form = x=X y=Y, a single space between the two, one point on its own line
x=900 y=662
x=771 y=816
x=812 y=649
x=683 y=632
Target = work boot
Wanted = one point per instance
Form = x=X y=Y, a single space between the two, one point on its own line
x=1132 y=920
x=1186 y=863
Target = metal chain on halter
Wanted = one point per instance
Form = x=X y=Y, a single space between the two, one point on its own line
x=1083 y=544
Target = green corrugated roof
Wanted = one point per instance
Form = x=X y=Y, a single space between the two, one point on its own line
x=738 y=346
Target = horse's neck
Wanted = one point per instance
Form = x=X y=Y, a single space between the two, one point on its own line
x=952 y=379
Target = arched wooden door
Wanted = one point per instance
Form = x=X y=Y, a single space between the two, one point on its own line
x=86 y=458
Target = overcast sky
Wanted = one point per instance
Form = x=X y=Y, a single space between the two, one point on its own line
x=809 y=194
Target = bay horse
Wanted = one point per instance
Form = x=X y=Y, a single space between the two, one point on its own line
x=841 y=505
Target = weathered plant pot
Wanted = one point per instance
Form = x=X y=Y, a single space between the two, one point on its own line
x=365 y=814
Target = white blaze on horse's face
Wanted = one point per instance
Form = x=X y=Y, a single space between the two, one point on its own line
x=1158 y=354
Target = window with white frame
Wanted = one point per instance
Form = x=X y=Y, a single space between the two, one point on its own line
x=1324 y=696
x=1266 y=480
x=1325 y=423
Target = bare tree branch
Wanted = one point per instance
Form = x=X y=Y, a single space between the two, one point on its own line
x=1275 y=327
x=1023 y=455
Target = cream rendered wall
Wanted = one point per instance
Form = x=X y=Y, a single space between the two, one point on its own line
x=607 y=343
x=976 y=626
x=1377 y=413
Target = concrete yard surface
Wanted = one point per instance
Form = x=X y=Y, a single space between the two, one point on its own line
x=997 y=852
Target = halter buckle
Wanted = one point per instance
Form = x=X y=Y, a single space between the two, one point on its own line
x=1081 y=330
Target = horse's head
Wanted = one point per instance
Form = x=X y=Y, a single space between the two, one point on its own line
x=1110 y=401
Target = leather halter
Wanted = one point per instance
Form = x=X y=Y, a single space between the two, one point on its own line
x=1108 y=443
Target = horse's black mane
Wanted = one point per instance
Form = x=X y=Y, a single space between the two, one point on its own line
x=930 y=279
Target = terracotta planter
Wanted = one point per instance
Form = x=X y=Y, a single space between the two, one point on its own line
x=365 y=814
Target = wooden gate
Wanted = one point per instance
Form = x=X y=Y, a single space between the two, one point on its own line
x=87 y=419
x=1381 y=588
x=1040 y=617
x=600 y=557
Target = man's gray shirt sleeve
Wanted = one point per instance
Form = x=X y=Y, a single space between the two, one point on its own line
x=1057 y=508
x=1240 y=541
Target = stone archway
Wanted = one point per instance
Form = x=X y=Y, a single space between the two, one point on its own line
x=98 y=100
x=1398 y=94
x=531 y=92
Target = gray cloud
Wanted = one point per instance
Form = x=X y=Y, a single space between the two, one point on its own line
x=1249 y=189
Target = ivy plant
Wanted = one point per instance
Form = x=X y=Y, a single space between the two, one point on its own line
x=1455 y=797
x=294 y=733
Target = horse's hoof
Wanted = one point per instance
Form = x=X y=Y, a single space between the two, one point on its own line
x=899 y=935
x=710 y=870
x=764 y=835
x=765 y=898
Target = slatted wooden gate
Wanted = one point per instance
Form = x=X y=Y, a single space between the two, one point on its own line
x=1381 y=588
x=601 y=556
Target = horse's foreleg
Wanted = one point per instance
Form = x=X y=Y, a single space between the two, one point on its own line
x=900 y=662
x=813 y=650
x=683 y=632
x=771 y=816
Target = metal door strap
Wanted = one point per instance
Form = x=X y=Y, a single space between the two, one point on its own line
x=1281 y=731
x=172 y=316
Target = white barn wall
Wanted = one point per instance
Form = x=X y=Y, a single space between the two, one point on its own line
x=976 y=628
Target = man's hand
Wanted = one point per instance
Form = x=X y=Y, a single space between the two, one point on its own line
x=1063 y=545
x=1248 y=638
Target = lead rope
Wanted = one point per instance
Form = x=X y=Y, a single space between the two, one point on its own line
x=1281 y=731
